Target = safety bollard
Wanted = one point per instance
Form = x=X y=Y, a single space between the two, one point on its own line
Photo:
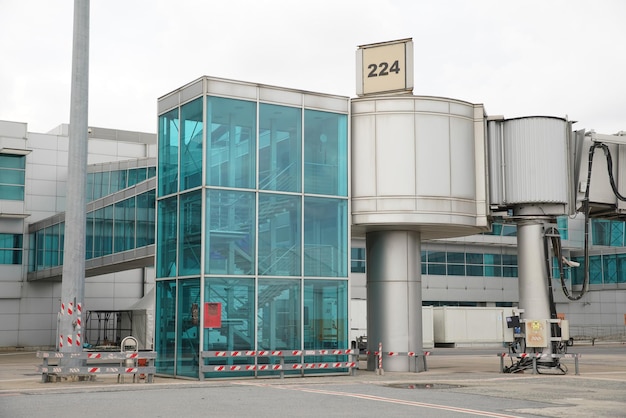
x=379 y=370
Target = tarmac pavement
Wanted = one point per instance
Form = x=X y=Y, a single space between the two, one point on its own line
x=598 y=390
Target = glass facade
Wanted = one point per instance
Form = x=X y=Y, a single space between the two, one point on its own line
x=443 y=263
x=121 y=226
x=604 y=269
x=608 y=233
x=12 y=176
x=447 y=263
x=101 y=184
x=253 y=231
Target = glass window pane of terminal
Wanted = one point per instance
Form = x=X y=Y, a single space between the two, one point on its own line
x=168 y=152
x=325 y=237
x=230 y=237
x=280 y=158
x=279 y=234
x=231 y=148
x=191 y=132
x=325 y=153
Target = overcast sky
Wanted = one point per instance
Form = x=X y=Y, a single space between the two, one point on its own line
x=519 y=58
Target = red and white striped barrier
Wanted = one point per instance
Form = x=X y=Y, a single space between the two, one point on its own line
x=279 y=353
x=145 y=360
x=411 y=354
x=295 y=362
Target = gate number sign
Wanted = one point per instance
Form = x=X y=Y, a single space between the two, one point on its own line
x=385 y=67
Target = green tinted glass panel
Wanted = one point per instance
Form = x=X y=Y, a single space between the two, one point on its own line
x=39 y=249
x=325 y=237
x=474 y=258
x=166 y=235
x=230 y=237
x=325 y=314
x=279 y=235
x=10 y=249
x=131 y=177
x=437 y=269
x=436 y=257
x=191 y=132
x=278 y=314
x=231 y=148
x=493 y=271
x=509 y=260
x=89 y=187
x=103 y=231
x=124 y=226
x=145 y=218
x=509 y=271
x=190 y=234
x=325 y=153
x=621 y=268
x=168 y=152
x=11 y=192
x=165 y=326
x=141 y=174
x=617 y=233
x=453 y=257
x=475 y=270
x=236 y=314
x=12 y=161
x=14 y=177
x=493 y=259
x=280 y=159
x=562 y=225
x=600 y=232
x=89 y=235
x=357 y=260
x=595 y=270
x=456 y=269
x=188 y=328
x=609 y=269
x=509 y=230
x=578 y=274
x=51 y=246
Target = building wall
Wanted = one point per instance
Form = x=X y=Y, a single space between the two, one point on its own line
x=28 y=310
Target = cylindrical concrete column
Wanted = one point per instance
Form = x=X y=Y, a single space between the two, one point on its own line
x=394 y=297
x=532 y=273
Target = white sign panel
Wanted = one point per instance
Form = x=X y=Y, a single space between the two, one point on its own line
x=385 y=67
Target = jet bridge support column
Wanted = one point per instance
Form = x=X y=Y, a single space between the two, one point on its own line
x=532 y=272
x=394 y=280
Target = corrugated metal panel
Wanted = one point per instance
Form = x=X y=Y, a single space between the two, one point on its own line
x=535 y=155
x=494 y=138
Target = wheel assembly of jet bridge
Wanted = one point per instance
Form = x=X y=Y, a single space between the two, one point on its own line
x=430 y=167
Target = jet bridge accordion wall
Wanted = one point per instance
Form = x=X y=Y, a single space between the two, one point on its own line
x=528 y=164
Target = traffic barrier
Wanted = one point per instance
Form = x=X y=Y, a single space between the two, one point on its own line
x=411 y=354
x=132 y=364
x=295 y=361
x=538 y=356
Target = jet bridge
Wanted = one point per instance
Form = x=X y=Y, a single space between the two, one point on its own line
x=540 y=169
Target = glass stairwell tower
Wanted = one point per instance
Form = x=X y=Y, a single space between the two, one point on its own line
x=252 y=224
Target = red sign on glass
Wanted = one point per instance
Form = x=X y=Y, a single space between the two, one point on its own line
x=212 y=315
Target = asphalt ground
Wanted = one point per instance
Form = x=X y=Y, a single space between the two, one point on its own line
x=459 y=382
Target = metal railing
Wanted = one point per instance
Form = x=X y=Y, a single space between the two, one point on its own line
x=97 y=362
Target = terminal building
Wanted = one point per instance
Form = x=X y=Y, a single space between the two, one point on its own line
x=257 y=215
